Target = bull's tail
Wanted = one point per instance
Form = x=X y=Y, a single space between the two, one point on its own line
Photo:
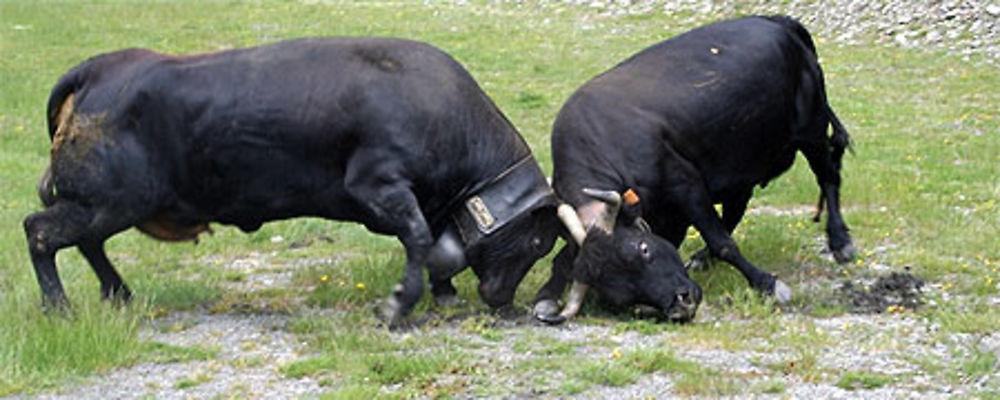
x=46 y=190
x=840 y=140
x=60 y=106
x=59 y=114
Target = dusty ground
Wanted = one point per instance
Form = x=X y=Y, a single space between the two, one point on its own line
x=250 y=349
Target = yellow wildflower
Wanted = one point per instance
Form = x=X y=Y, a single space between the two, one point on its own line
x=360 y=286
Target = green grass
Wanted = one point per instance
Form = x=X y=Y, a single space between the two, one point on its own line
x=920 y=191
x=856 y=380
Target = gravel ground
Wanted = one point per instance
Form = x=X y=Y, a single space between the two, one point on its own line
x=251 y=347
x=966 y=28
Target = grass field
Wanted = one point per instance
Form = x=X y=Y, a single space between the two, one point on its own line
x=921 y=192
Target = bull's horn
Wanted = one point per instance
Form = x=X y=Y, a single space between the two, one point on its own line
x=572 y=222
x=576 y=295
x=614 y=203
x=575 y=300
x=569 y=217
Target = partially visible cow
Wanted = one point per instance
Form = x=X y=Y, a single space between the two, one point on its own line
x=691 y=122
x=393 y=134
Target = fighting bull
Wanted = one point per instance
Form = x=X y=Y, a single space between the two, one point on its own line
x=393 y=134
x=694 y=121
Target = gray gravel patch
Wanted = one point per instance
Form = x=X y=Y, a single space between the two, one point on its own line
x=963 y=28
x=250 y=349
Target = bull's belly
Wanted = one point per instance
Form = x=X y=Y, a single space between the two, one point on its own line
x=184 y=223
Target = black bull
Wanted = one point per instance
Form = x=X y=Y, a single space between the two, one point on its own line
x=694 y=121
x=393 y=134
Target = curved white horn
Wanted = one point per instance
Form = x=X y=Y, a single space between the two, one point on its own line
x=572 y=222
x=575 y=300
x=614 y=203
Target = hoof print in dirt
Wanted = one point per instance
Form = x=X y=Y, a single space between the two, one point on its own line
x=898 y=289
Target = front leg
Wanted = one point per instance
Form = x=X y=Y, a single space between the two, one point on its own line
x=733 y=210
x=112 y=286
x=686 y=188
x=396 y=211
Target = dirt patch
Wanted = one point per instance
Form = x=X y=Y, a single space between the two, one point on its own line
x=892 y=292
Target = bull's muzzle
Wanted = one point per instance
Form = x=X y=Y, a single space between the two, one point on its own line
x=684 y=305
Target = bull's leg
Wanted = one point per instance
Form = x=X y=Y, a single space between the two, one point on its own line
x=828 y=178
x=396 y=210
x=399 y=209
x=547 y=298
x=66 y=224
x=733 y=210
x=48 y=231
x=686 y=188
x=445 y=294
x=112 y=285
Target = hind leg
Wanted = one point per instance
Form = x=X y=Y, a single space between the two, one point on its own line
x=66 y=224
x=112 y=285
x=49 y=231
x=828 y=178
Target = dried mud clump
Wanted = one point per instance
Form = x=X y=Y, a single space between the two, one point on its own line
x=898 y=290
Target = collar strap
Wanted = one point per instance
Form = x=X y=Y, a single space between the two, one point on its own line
x=520 y=188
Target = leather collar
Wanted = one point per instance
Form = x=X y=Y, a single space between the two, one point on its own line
x=518 y=189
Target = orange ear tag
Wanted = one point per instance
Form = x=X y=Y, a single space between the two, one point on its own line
x=630 y=197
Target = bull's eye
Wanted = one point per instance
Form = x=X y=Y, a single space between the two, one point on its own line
x=644 y=249
x=536 y=242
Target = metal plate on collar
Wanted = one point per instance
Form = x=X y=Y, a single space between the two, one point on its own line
x=477 y=208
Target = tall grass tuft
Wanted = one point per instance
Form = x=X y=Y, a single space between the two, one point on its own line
x=44 y=348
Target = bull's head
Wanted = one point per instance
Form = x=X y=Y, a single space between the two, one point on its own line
x=624 y=263
x=500 y=232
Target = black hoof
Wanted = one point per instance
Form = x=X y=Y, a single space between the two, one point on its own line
x=547 y=311
x=773 y=287
x=391 y=313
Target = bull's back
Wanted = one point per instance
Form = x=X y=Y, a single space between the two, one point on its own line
x=250 y=135
x=720 y=96
x=272 y=129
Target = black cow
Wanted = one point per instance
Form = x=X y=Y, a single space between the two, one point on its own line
x=694 y=121
x=393 y=134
